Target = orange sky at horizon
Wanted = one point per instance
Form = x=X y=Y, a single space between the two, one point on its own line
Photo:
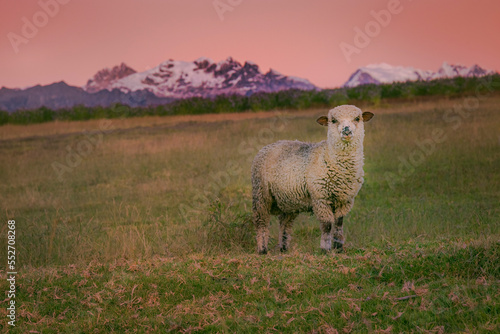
x=295 y=37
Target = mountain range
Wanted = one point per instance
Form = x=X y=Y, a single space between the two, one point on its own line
x=60 y=95
x=203 y=77
x=385 y=73
x=162 y=84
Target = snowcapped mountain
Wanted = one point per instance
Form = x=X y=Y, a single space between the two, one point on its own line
x=385 y=73
x=202 y=77
x=106 y=77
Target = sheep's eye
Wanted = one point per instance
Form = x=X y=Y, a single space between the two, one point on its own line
x=334 y=120
x=357 y=119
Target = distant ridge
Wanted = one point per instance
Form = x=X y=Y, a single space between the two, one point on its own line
x=385 y=73
x=162 y=84
x=60 y=95
x=175 y=80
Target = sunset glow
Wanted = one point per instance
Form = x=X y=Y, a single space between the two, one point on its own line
x=48 y=40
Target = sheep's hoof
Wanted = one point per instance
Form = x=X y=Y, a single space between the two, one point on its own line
x=262 y=251
x=338 y=247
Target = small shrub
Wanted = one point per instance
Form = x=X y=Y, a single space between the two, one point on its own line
x=227 y=229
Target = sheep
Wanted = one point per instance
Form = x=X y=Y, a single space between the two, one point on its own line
x=289 y=177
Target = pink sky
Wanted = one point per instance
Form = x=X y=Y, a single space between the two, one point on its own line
x=299 y=38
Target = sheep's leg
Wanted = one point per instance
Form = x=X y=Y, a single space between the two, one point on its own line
x=324 y=213
x=261 y=222
x=338 y=234
x=286 y=222
x=261 y=208
x=326 y=235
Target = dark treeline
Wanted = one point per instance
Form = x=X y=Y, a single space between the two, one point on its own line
x=289 y=99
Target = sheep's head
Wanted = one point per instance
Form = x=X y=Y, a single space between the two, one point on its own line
x=345 y=123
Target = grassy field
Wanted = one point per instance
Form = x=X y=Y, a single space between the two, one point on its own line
x=143 y=225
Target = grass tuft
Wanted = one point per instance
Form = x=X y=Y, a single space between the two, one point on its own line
x=227 y=230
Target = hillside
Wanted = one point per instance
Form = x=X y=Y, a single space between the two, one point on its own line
x=146 y=227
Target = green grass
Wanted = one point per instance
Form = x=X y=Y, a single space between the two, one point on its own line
x=152 y=231
x=413 y=287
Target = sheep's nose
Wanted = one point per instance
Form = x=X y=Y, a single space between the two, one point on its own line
x=346 y=131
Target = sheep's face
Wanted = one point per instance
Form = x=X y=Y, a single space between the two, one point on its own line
x=345 y=123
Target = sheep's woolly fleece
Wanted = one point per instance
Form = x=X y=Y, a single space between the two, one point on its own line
x=289 y=177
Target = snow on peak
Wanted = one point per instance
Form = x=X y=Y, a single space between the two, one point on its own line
x=227 y=65
x=380 y=66
x=274 y=72
x=385 y=73
x=297 y=79
x=203 y=77
x=204 y=59
x=107 y=76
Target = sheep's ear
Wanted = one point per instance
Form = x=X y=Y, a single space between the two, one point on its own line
x=367 y=116
x=323 y=120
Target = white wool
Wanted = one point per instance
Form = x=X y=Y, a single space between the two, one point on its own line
x=289 y=177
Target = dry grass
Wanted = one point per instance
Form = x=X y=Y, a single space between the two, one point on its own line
x=10 y=131
x=124 y=199
x=410 y=287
